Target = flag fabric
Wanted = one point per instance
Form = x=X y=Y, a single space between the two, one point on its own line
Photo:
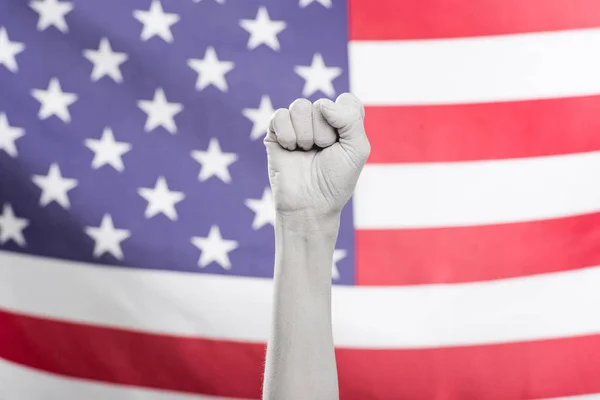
x=136 y=237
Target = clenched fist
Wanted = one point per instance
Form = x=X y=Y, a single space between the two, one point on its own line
x=316 y=153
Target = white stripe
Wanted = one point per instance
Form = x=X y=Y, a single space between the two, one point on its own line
x=479 y=69
x=546 y=306
x=392 y=196
x=22 y=383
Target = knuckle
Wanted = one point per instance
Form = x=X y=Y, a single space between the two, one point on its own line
x=352 y=104
x=348 y=98
x=300 y=105
x=280 y=113
x=344 y=97
x=300 y=113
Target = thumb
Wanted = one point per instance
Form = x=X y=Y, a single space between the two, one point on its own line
x=346 y=115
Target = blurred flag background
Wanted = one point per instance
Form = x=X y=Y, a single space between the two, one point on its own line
x=136 y=236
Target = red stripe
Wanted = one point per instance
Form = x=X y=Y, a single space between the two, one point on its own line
x=476 y=253
x=507 y=371
x=132 y=358
x=426 y=19
x=527 y=370
x=483 y=131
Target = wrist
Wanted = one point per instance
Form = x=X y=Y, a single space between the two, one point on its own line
x=304 y=244
x=304 y=221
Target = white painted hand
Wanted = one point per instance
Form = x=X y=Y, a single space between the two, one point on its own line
x=316 y=153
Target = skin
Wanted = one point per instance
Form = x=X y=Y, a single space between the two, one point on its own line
x=316 y=153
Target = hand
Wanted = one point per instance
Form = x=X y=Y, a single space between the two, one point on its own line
x=316 y=153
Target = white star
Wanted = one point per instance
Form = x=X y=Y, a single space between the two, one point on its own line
x=160 y=112
x=11 y=227
x=260 y=117
x=264 y=210
x=8 y=51
x=324 y=3
x=52 y=13
x=214 y=162
x=108 y=151
x=108 y=239
x=214 y=248
x=106 y=61
x=54 y=101
x=211 y=71
x=54 y=187
x=318 y=76
x=156 y=22
x=337 y=256
x=262 y=30
x=8 y=135
x=161 y=200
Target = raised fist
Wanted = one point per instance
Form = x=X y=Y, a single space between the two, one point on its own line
x=316 y=153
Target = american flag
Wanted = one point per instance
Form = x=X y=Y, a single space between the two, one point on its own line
x=136 y=237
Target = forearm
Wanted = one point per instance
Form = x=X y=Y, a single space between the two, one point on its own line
x=300 y=363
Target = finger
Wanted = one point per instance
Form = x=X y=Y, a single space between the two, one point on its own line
x=344 y=113
x=347 y=116
x=351 y=101
x=324 y=134
x=301 y=116
x=284 y=131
